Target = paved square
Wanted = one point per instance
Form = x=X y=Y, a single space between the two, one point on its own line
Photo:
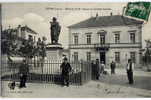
x=108 y=86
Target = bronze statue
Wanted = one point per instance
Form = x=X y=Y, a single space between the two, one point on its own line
x=55 y=31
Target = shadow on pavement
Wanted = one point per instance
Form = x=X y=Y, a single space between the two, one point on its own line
x=141 y=82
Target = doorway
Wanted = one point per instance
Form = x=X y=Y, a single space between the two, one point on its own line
x=102 y=57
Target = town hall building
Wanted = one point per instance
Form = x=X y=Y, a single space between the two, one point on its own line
x=107 y=38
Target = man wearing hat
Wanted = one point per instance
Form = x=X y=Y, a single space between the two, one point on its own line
x=23 y=70
x=130 y=68
x=97 y=70
x=65 y=70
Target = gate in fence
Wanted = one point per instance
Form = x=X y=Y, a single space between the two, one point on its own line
x=48 y=72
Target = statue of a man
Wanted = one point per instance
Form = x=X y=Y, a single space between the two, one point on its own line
x=55 y=31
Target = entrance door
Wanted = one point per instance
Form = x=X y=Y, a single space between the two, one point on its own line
x=102 y=57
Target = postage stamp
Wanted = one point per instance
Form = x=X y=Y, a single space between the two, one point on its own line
x=138 y=9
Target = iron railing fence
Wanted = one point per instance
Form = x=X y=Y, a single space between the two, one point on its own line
x=47 y=71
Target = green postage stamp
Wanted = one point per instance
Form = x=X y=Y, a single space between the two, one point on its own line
x=139 y=10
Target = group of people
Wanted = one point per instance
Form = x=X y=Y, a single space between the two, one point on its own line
x=98 y=69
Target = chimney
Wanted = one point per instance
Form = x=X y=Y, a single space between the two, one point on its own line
x=111 y=14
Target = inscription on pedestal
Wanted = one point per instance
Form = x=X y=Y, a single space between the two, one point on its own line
x=52 y=55
x=54 y=52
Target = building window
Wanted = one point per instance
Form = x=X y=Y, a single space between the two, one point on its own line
x=133 y=56
x=117 y=38
x=30 y=36
x=117 y=57
x=102 y=39
x=89 y=39
x=75 y=56
x=23 y=35
x=132 y=37
x=76 y=39
x=88 y=56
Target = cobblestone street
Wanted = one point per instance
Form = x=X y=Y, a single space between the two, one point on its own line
x=108 y=86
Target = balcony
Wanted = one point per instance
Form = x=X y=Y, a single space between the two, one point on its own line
x=104 y=46
x=81 y=46
x=90 y=46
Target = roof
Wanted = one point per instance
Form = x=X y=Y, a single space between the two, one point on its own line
x=23 y=28
x=28 y=29
x=114 y=20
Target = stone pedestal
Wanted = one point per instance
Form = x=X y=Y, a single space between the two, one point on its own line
x=54 y=52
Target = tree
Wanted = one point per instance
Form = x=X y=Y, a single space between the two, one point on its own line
x=10 y=45
x=147 y=55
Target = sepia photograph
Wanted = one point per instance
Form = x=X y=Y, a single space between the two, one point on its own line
x=75 y=50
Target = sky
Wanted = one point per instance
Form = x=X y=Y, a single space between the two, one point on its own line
x=38 y=16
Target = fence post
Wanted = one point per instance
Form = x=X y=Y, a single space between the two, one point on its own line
x=82 y=72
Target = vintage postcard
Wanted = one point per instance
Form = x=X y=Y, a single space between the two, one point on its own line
x=76 y=50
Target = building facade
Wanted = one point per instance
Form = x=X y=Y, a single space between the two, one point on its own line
x=107 y=38
x=24 y=32
x=16 y=36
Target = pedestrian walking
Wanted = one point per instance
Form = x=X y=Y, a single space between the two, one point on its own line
x=130 y=68
x=23 y=70
x=113 y=66
x=102 y=68
x=98 y=69
x=65 y=69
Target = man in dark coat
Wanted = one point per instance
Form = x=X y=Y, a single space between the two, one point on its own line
x=130 y=68
x=98 y=69
x=93 y=65
x=113 y=66
x=65 y=69
x=23 y=71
